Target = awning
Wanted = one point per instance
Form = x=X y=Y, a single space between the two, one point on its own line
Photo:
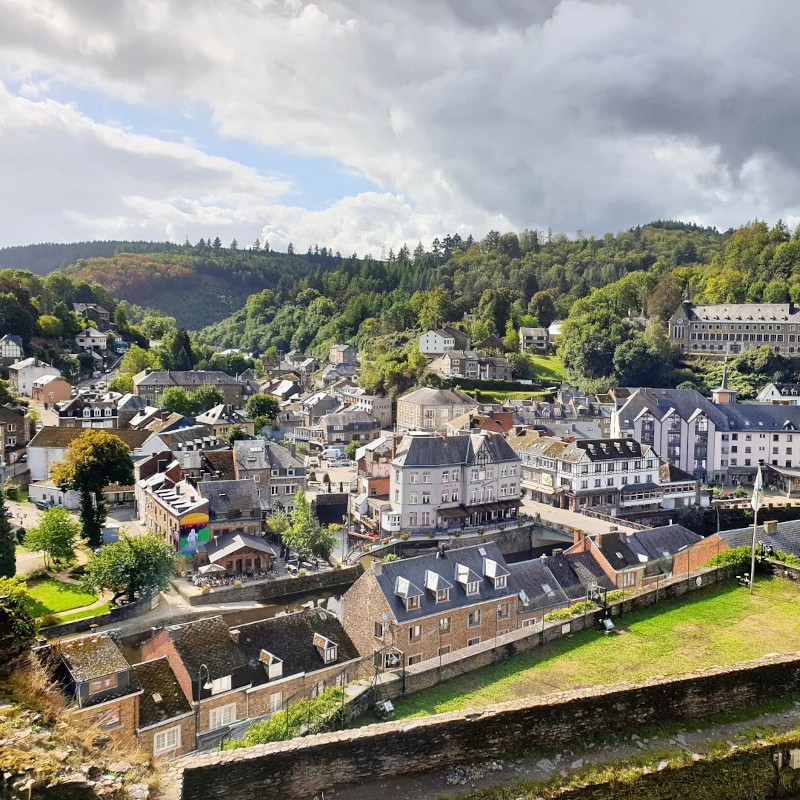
x=453 y=513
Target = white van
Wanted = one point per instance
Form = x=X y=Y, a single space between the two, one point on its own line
x=331 y=453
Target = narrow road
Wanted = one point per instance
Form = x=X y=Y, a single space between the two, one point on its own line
x=571 y=519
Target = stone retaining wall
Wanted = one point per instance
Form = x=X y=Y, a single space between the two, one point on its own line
x=304 y=767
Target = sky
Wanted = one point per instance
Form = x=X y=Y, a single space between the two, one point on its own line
x=362 y=125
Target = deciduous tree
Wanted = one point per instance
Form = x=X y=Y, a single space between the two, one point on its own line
x=56 y=536
x=8 y=543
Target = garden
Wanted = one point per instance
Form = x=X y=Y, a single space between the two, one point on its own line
x=718 y=627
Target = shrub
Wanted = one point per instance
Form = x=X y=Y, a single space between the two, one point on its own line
x=405 y=537
x=457 y=534
x=386 y=540
x=48 y=619
x=392 y=557
x=11 y=490
x=301 y=572
x=312 y=476
x=612 y=597
x=20 y=535
x=559 y=615
x=481 y=531
x=738 y=557
x=786 y=558
x=584 y=607
x=502 y=526
x=367 y=548
x=740 y=491
x=431 y=534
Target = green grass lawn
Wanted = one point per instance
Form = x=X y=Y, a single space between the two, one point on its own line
x=51 y=596
x=549 y=369
x=721 y=626
x=89 y=612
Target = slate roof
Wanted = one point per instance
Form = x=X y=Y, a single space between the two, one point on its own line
x=225 y=496
x=253 y=454
x=566 y=576
x=666 y=540
x=156 y=678
x=414 y=569
x=183 y=378
x=585 y=566
x=221 y=461
x=353 y=416
x=207 y=641
x=51 y=436
x=537 y=585
x=90 y=657
x=290 y=637
x=435 y=451
x=222 y=413
x=232 y=542
x=742 y=312
x=438 y=397
x=787 y=539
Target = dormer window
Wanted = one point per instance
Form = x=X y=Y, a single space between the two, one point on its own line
x=103 y=684
x=326 y=648
x=219 y=685
x=272 y=664
x=274 y=472
x=500 y=582
x=473 y=587
x=442 y=595
x=412 y=603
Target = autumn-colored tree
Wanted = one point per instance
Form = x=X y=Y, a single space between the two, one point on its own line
x=94 y=459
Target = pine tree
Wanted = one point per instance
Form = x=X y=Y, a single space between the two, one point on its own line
x=8 y=543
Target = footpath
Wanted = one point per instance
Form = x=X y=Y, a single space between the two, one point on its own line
x=655 y=750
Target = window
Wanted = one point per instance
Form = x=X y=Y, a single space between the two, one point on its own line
x=472 y=587
x=412 y=519
x=289 y=489
x=444 y=625
x=219 y=717
x=413 y=660
x=275 y=702
x=413 y=477
x=108 y=719
x=443 y=650
x=426 y=477
x=317 y=689
x=476 y=640
x=341 y=679
x=629 y=578
x=414 y=633
x=529 y=623
x=500 y=581
x=219 y=685
x=442 y=595
x=503 y=611
x=412 y=603
x=474 y=618
x=426 y=498
x=101 y=684
x=413 y=498
x=426 y=517
x=169 y=739
x=445 y=497
x=379 y=630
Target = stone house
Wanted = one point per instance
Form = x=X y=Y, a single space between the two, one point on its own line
x=473 y=365
x=234 y=506
x=23 y=373
x=16 y=429
x=344 y=354
x=276 y=472
x=415 y=609
x=352 y=425
x=151 y=384
x=88 y=411
x=316 y=406
x=238 y=553
x=431 y=409
x=94 y=312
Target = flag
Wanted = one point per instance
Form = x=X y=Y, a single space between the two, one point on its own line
x=758 y=491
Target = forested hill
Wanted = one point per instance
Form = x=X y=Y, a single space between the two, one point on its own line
x=42 y=259
x=199 y=286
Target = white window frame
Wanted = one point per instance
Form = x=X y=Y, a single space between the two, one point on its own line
x=275 y=702
x=218 y=715
x=170 y=740
x=220 y=685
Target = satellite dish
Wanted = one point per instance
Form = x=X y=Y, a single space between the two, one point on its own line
x=385 y=617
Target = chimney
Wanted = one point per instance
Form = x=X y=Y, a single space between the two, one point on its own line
x=558 y=551
x=771 y=527
x=577 y=536
x=377 y=567
x=234 y=635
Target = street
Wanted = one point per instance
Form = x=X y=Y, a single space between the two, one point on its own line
x=571 y=519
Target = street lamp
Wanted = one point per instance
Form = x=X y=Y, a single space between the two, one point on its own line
x=207 y=685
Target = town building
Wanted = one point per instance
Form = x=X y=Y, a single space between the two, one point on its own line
x=431 y=409
x=475 y=366
x=351 y=425
x=151 y=384
x=723 y=441
x=617 y=475
x=344 y=354
x=492 y=342
x=728 y=329
x=16 y=427
x=256 y=669
x=781 y=394
x=316 y=406
x=222 y=419
x=23 y=373
x=93 y=312
x=533 y=340
x=89 y=411
x=771 y=537
x=438 y=481
x=92 y=339
x=50 y=389
x=378 y=407
x=238 y=554
x=233 y=506
x=275 y=471
x=11 y=350
x=439 y=341
x=403 y=612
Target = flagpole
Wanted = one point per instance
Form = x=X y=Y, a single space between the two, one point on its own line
x=753 y=551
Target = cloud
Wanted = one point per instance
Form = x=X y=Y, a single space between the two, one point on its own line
x=466 y=115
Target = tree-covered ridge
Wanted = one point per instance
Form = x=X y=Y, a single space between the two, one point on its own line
x=42 y=259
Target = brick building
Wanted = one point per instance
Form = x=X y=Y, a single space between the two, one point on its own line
x=414 y=609
x=431 y=409
x=151 y=384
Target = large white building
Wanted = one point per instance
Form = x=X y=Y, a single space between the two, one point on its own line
x=438 y=341
x=722 y=441
x=23 y=373
x=439 y=481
